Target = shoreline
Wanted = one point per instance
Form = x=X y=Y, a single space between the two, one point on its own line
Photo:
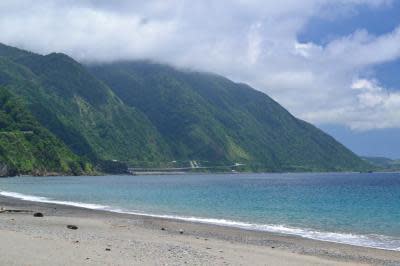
x=277 y=246
x=50 y=174
x=341 y=238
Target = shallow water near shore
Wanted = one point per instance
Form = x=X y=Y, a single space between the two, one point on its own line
x=357 y=209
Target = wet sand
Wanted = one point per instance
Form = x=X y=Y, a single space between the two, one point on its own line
x=105 y=238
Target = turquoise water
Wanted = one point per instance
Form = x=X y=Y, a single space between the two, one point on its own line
x=358 y=209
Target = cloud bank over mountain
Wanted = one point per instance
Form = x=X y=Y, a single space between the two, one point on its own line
x=252 y=41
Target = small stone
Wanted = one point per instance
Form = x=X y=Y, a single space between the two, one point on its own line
x=72 y=227
x=272 y=247
x=162 y=229
x=108 y=249
x=38 y=214
x=181 y=231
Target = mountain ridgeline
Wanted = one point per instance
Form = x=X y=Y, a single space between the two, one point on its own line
x=142 y=114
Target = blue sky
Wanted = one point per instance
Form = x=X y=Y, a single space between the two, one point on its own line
x=376 y=21
x=375 y=142
x=335 y=63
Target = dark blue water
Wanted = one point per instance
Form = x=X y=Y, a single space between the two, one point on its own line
x=359 y=209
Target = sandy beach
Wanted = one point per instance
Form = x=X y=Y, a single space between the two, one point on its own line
x=105 y=238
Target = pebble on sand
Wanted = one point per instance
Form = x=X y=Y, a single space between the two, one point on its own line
x=72 y=227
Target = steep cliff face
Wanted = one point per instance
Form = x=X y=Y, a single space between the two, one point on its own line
x=79 y=109
x=149 y=114
x=208 y=117
x=26 y=147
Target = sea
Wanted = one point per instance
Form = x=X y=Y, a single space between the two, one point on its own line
x=361 y=209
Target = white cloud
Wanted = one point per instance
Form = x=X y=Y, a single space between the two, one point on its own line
x=365 y=84
x=371 y=107
x=362 y=49
x=376 y=102
x=253 y=41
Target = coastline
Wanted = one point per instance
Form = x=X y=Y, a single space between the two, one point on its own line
x=49 y=174
x=377 y=242
x=198 y=244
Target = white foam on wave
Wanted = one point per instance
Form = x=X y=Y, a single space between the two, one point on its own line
x=47 y=200
x=372 y=241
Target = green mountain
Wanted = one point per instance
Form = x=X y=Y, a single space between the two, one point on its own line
x=28 y=148
x=207 y=117
x=146 y=114
x=383 y=164
x=79 y=109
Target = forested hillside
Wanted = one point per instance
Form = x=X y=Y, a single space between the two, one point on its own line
x=146 y=114
x=28 y=148
x=208 y=117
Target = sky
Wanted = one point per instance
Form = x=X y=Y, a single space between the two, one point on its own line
x=334 y=63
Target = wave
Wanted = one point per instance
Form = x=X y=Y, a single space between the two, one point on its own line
x=371 y=241
x=47 y=200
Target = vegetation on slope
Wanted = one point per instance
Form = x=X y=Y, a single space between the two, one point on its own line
x=28 y=148
x=383 y=164
x=208 y=117
x=147 y=114
x=82 y=111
